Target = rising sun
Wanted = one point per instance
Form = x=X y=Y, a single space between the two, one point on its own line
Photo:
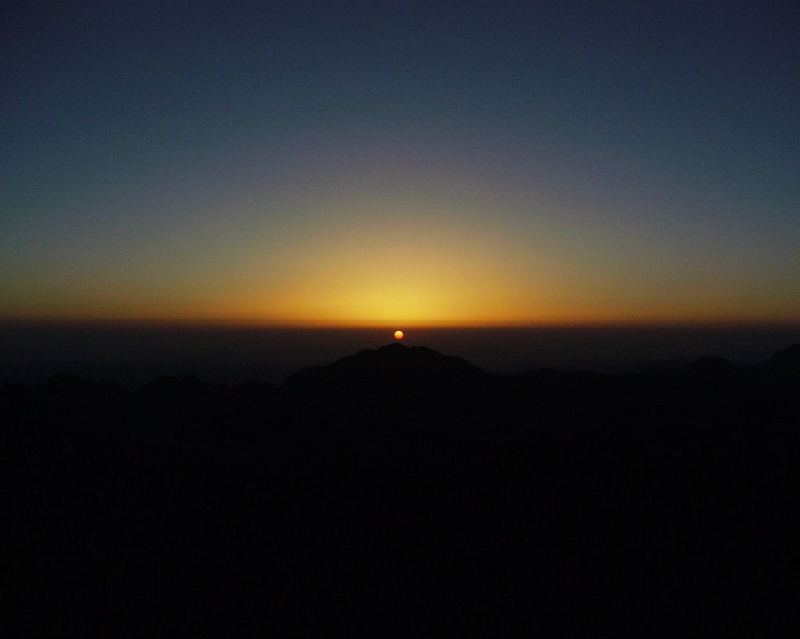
x=398 y=335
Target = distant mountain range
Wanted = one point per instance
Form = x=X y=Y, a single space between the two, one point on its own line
x=421 y=368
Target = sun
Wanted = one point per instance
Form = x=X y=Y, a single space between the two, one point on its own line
x=398 y=335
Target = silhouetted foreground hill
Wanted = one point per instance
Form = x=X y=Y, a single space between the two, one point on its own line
x=399 y=492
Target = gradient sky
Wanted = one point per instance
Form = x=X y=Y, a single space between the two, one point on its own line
x=401 y=162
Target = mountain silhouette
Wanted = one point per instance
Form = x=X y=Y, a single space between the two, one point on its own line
x=710 y=369
x=393 y=370
x=784 y=366
x=399 y=481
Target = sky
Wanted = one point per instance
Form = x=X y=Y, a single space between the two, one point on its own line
x=408 y=163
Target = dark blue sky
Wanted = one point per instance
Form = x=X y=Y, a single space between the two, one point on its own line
x=498 y=162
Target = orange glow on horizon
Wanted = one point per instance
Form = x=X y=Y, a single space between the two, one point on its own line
x=366 y=275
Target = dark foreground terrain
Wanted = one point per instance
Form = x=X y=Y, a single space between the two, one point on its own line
x=403 y=493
